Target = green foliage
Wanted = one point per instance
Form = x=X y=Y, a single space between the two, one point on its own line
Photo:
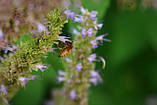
x=23 y=61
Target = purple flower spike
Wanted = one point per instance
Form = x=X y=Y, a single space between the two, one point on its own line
x=72 y=95
x=79 y=67
x=92 y=58
x=90 y=32
x=3 y=90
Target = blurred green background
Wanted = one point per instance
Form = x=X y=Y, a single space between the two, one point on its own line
x=130 y=77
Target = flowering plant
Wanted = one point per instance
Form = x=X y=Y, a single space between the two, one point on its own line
x=80 y=64
x=18 y=62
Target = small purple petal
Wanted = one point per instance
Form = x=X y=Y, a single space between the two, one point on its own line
x=72 y=95
x=61 y=73
x=93 y=15
x=78 y=19
x=68 y=60
x=3 y=90
x=92 y=58
x=94 y=43
x=60 y=79
x=69 y=14
x=90 y=32
x=23 y=80
x=75 y=32
x=41 y=67
x=83 y=11
x=83 y=33
x=64 y=39
x=100 y=26
x=79 y=67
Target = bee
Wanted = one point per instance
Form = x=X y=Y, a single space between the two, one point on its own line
x=67 y=48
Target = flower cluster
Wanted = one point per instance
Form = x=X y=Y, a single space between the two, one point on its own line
x=80 y=65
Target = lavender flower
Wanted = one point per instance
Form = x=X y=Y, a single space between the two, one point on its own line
x=72 y=95
x=75 y=32
x=69 y=14
x=90 y=32
x=79 y=67
x=95 y=77
x=99 y=26
x=41 y=67
x=92 y=58
x=23 y=81
x=68 y=60
x=61 y=76
x=78 y=19
x=3 y=90
x=64 y=39
x=93 y=15
x=83 y=33
x=61 y=79
x=94 y=43
x=97 y=39
x=83 y=11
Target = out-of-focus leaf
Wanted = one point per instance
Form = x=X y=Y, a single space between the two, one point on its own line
x=128 y=36
x=152 y=28
x=32 y=94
